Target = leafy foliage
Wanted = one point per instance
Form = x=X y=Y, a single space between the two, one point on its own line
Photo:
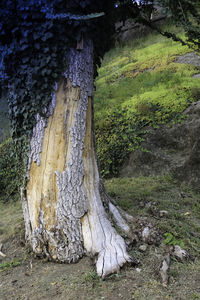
x=34 y=48
x=117 y=136
x=184 y=13
x=11 y=170
x=170 y=239
x=36 y=36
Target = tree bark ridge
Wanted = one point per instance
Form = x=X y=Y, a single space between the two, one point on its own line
x=63 y=211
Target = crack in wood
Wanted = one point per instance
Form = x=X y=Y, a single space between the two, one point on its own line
x=66 y=212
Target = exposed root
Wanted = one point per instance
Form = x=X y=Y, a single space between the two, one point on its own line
x=112 y=257
x=124 y=214
x=101 y=239
x=1 y=253
x=120 y=222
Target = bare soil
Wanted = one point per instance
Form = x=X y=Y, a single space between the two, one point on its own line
x=26 y=277
x=35 y=279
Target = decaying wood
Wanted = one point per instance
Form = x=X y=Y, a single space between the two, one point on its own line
x=125 y=215
x=179 y=253
x=63 y=209
x=120 y=222
x=1 y=253
x=164 y=269
x=100 y=238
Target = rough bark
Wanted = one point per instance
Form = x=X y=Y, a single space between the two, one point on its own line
x=63 y=211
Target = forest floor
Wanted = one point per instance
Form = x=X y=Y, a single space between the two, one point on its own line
x=23 y=276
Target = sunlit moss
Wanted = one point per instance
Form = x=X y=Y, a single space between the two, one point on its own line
x=143 y=84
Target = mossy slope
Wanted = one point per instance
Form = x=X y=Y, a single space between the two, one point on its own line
x=139 y=84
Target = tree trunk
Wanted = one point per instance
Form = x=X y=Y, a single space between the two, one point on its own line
x=63 y=211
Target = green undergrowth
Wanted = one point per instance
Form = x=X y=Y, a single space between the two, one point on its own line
x=142 y=197
x=11 y=171
x=147 y=196
x=180 y=226
x=11 y=219
x=9 y=264
x=139 y=84
x=4 y=122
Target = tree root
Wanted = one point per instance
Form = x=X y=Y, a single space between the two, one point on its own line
x=1 y=253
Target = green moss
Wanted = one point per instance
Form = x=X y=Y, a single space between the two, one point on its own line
x=139 y=84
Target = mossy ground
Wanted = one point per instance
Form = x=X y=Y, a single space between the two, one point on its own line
x=22 y=276
x=140 y=84
x=147 y=196
x=144 y=70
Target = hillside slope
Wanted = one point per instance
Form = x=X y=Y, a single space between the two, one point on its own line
x=141 y=85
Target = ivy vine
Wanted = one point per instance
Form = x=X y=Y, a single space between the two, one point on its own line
x=35 y=39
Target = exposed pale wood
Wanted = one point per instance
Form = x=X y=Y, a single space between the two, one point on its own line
x=120 y=222
x=63 y=210
x=55 y=199
x=41 y=187
x=100 y=238
x=165 y=269
x=1 y=253
x=124 y=214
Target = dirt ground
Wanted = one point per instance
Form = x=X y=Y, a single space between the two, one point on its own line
x=29 y=278
x=25 y=277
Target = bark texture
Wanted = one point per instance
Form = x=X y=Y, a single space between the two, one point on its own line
x=64 y=215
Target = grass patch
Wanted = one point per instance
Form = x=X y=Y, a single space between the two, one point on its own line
x=11 y=219
x=91 y=277
x=10 y=264
x=140 y=196
x=81 y=281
